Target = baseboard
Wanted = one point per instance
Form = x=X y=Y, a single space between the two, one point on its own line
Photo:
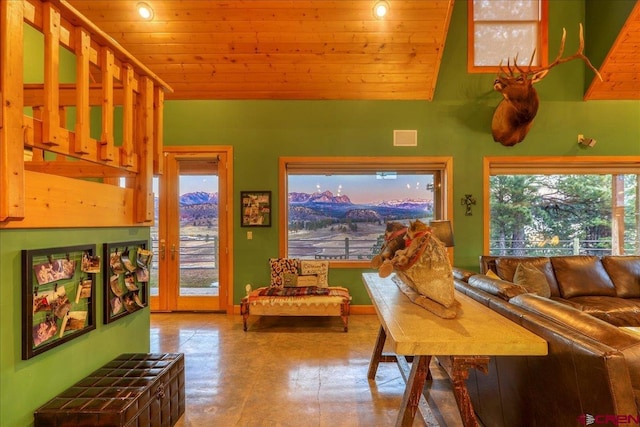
x=362 y=309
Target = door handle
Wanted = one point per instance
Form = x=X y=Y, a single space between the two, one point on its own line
x=173 y=252
x=163 y=249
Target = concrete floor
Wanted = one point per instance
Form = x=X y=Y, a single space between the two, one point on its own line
x=288 y=372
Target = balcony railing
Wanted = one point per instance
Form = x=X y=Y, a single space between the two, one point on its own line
x=333 y=249
x=561 y=247
x=365 y=249
x=48 y=139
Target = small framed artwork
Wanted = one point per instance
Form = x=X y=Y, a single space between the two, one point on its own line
x=126 y=278
x=255 y=208
x=58 y=296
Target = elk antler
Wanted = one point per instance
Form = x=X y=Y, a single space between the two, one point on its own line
x=557 y=61
x=579 y=54
x=515 y=64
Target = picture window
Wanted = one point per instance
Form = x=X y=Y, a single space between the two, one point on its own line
x=336 y=209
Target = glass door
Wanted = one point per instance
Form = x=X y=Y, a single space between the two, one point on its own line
x=190 y=273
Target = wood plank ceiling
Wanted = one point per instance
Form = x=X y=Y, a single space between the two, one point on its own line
x=620 y=70
x=296 y=49
x=310 y=49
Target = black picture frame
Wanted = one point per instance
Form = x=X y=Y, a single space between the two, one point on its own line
x=255 y=208
x=58 y=296
x=125 y=278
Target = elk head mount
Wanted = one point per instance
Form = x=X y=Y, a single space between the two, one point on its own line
x=514 y=115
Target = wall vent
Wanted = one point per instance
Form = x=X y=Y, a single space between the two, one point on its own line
x=405 y=138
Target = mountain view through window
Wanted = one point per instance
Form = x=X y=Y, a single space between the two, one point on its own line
x=343 y=216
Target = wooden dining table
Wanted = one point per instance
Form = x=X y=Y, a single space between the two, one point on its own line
x=413 y=334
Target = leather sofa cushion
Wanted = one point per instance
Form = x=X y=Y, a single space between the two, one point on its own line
x=579 y=275
x=624 y=272
x=506 y=269
x=614 y=310
x=501 y=288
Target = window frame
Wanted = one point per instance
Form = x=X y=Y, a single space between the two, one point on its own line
x=552 y=165
x=321 y=165
x=542 y=48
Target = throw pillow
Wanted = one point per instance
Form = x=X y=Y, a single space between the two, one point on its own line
x=492 y=274
x=532 y=279
x=280 y=266
x=316 y=268
x=624 y=271
x=290 y=280
x=307 y=280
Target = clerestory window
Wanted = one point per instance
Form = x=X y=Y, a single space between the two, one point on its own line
x=500 y=30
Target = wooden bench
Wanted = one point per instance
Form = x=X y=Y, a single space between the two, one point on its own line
x=330 y=301
x=132 y=390
x=297 y=287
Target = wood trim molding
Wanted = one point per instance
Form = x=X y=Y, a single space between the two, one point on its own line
x=546 y=164
x=324 y=163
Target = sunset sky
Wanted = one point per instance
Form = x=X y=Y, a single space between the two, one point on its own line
x=364 y=189
x=359 y=188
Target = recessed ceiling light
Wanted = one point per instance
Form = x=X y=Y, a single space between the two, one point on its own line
x=380 y=9
x=145 y=11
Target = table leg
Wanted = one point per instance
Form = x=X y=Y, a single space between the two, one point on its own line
x=244 y=311
x=377 y=354
x=458 y=371
x=415 y=385
x=344 y=314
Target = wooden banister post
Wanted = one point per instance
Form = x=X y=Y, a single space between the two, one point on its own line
x=83 y=108
x=126 y=150
x=144 y=148
x=106 y=138
x=158 y=133
x=12 y=184
x=62 y=116
x=50 y=117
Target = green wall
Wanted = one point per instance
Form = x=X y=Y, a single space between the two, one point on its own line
x=456 y=123
x=27 y=384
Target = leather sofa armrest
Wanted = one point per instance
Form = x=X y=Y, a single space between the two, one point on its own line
x=628 y=344
x=462 y=274
x=577 y=320
x=500 y=288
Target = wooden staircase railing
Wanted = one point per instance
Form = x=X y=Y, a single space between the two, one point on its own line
x=43 y=154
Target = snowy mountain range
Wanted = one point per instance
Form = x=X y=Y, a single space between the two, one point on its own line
x=315 y=206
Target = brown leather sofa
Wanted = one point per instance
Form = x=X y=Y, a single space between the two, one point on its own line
x=607 y=288
x=593 y=366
